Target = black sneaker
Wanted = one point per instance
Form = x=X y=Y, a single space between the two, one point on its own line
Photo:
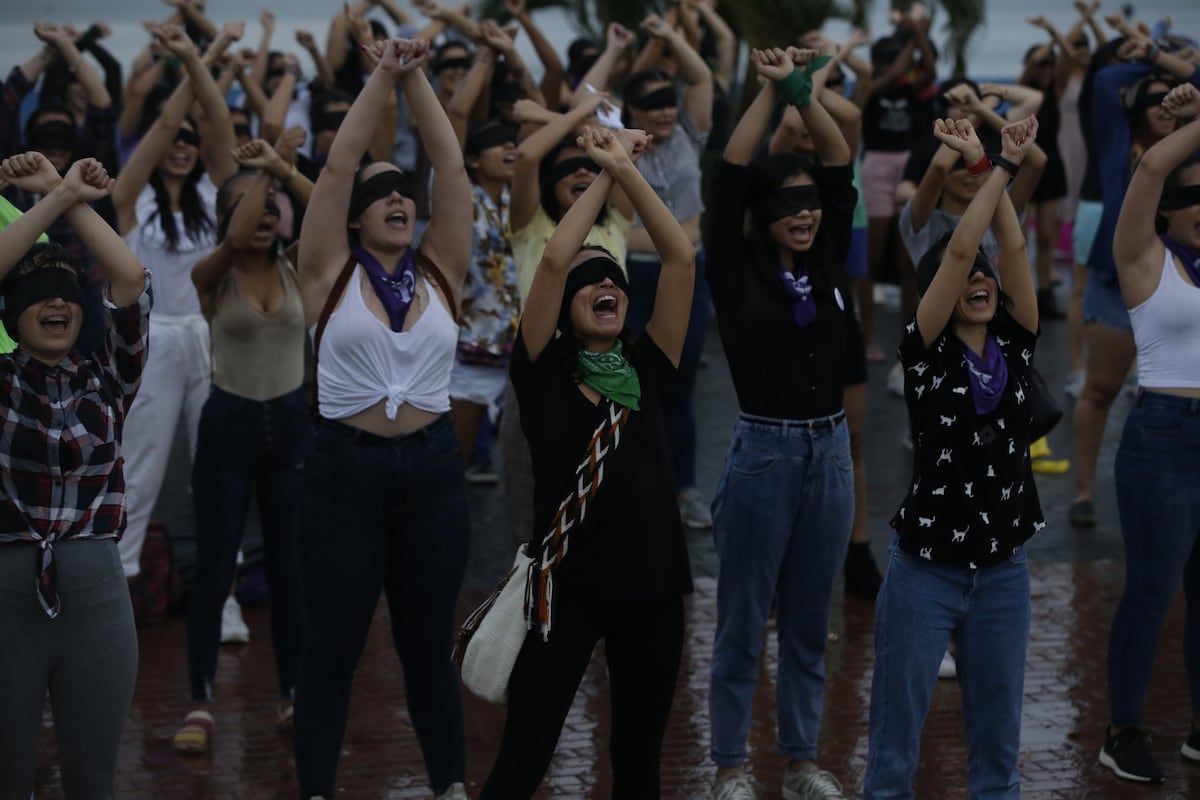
x=1191 y=748
x=1126 y=755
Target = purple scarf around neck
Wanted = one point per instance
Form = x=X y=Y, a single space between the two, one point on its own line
x=988 y=375
x=396 y=292
x=1189 y=257
x=798 y=287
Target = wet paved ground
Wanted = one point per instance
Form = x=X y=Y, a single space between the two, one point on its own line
x=1077 y=578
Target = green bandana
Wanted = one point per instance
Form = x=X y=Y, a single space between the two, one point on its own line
x=611 y=375
x=796 y=88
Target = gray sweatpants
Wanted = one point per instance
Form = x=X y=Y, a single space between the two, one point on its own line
x=86 y=658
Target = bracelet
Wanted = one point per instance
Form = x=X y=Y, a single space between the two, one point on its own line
x=981 y=166
x=1004 y=164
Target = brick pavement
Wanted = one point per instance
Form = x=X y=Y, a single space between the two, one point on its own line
x=1076 y=582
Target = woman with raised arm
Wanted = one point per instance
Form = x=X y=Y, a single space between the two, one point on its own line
x=785 y=501
x=165 y=199
x=1157 y=251
x=253 y=429
x=958 y=563
x=551 y=175
x=584 y=385
x=63 y=596
x=384 y=499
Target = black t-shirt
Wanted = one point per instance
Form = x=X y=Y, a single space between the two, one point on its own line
x=887 y=121
x=630 y=543
x=780 y=370
x=973 y=500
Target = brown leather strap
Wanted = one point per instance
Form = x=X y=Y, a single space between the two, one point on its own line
x=432 y=269
x=335 y=293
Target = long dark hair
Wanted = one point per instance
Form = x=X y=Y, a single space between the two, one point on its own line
x=196 y=220
x=767 y=174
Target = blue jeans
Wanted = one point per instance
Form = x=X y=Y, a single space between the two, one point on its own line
x=246 y=448
x=921 y=606
x=1157 y=471
x=384 y=514
x=781 y=521
x=677 y=403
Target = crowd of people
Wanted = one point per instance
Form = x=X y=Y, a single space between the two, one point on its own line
x=345 y=286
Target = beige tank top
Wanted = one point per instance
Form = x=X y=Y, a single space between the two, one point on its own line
x=257 y=355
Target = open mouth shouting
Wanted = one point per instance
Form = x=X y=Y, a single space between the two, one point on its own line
x=56 y=324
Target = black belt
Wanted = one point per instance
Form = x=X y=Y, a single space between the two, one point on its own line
x=823 y=424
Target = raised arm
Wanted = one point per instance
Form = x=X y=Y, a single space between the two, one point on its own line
x=244 y=217
x=747 y=136
x=86 y=182
x=698 y=91
x=89 y=79
x=193 y=14
x=1017 y=142
x=478 y=78
x=218 y=141
x=325 y=75
x=673 y=299
x=937 y=304
x=275 y=112
x=89 y=43
x=1136 y=246
x=930 y=189
x=540 y=317
x=262 y=56
x=617 y=42
x=453 y=210
x=1088 y=12
x=552 y=67
x=832 y=148
x=724 y=40
x=526 y=191
x=501 y=40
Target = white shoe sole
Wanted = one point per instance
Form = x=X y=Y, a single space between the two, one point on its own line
x=1111 y=763
x=1190 y=753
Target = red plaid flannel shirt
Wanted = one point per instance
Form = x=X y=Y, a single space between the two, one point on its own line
x=61 y=471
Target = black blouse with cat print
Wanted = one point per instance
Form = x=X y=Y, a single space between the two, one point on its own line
x=972 y=501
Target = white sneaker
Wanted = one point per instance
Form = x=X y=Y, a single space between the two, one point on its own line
x=693 y=510
x=948 y=668
x=735 y=786
x=233 y=627
x=895 y=380
x=809 y=782
x=456 y=792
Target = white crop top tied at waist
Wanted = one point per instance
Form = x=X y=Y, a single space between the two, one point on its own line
x=1166 y=328
x=363 y=361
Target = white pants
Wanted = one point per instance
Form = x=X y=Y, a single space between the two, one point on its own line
x=175 y=381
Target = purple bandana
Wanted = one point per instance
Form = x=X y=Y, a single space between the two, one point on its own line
x=988 y=375
x=804 y=307
x=394 y=291
x=1189 y=257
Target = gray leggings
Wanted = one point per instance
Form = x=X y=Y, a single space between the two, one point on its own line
x=86 y=658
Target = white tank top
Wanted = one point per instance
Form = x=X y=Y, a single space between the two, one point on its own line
x=363 y=361
x=1166 y=328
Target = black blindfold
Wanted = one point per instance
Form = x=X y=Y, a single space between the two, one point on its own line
x=375 y=188
x=569 y=166
x=932 y=260
x=328 y=121
x=589 y=273
x=52 y=135
x=461 y=62
x=652 y=101
x=187 y=136
x=242 y=129
x=1149 y=100
x=1180 y=197
x=785 y=202
x=487 y=137
x=44 y=283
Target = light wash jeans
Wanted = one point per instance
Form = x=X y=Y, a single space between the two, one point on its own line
x=1157 y=471
x=921 y=606
x=781 y=521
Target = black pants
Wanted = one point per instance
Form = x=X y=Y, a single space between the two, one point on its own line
x=643 y=643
